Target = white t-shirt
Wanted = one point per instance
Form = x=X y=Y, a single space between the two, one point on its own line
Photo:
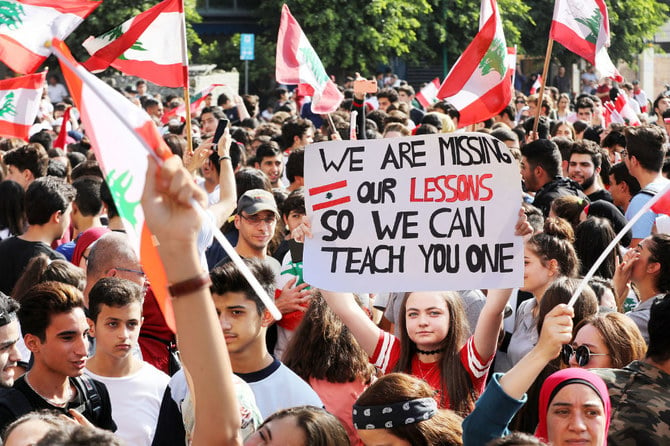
x=136 y=402
x=276 y=387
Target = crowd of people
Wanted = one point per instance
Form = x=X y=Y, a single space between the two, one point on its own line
x=86 y=350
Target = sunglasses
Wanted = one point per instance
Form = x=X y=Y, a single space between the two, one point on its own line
x=582 y=354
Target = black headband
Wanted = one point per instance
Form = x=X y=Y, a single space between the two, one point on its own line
x=387 y=416
x=573 y=381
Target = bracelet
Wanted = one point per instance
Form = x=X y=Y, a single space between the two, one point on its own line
x=191 y=285
x=224 y=157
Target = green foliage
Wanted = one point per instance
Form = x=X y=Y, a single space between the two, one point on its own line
x=353 y=35
x=632 y=24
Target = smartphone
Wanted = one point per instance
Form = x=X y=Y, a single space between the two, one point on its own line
x=220 y=128
x=296 y=250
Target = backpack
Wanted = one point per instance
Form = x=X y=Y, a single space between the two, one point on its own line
x=18 y=405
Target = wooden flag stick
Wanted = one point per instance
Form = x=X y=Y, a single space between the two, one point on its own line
x=547 y=60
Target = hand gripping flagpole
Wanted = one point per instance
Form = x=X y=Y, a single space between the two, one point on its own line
x=260 y=291
x=614 y=242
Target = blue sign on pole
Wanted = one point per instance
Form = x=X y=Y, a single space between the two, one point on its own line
x=246 y=47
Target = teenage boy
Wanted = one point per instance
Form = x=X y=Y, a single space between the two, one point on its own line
x=56 y=333
x=244 y=321
x=135 y=387
x=48 y=208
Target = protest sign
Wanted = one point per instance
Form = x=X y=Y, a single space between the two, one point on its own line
x=422 y=213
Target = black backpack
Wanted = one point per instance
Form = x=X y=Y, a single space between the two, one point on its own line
x=18 y=405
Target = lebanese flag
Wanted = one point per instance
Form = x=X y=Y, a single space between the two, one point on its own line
x=150 y=46
x=625 y=110
x=298 y=63
x=662 y=206
x=28 y=24
x=536 y=85
x=428 y=94
x=19 y=104
x=196 y=101
x=329 y=195
x=479 y=84
x=121 y=135
x=61 y=140
x=582 y=26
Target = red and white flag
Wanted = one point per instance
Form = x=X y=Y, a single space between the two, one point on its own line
x=120 y=134
x=582 y=26
x=537 y=85
x=625 y=110
x=61 y=140
x=28 y=24
x=19 y=104
x=150 y=46
x=196 y=101
x=298 y=63
x=428 y=94
x=329 y=195
x=479 y=84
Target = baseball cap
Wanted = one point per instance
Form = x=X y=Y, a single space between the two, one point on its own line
x=256 y=200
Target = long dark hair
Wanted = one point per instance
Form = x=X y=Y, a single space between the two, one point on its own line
x=456 y=384
x=592 y=236
x=322 y=347
x=12 y=210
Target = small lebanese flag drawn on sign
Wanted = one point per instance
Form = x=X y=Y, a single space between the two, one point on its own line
x=330 y=194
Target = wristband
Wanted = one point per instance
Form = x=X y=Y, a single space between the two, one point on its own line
x=191 y=285
x=224 y=157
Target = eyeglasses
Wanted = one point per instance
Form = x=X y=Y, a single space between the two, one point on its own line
x=136 y=271
x=623 y=153
x=256 y=220
x=582 y=354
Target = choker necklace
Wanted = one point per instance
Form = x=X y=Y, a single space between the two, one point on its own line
x=430 y=352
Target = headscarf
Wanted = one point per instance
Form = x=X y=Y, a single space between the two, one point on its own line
x=565 y=377
x=85 y=240
x=605 y=209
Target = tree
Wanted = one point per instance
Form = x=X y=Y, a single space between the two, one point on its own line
x=353 y=35
x=632 y=24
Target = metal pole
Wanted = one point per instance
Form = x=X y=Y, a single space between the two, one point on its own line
x=246 y=77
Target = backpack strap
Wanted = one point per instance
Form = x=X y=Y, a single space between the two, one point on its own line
x=648 y=192
x=91 y=397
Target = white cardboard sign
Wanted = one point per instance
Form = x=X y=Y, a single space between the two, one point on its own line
x=421 y=213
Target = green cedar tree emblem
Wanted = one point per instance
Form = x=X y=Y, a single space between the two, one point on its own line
x=8 y=107
x=118 y=186
x=494 y=59
x=112 y=34
x=315 y=65
x=11 y=14
x=137 y=46
x=593 y=24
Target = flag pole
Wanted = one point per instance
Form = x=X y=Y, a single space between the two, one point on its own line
x=545 y=69
x=647 y=206
x=187 y=95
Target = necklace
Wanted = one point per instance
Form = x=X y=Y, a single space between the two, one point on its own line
x=56 y=403
x=430 y=352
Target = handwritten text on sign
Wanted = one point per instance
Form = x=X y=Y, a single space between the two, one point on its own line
x=422 y=213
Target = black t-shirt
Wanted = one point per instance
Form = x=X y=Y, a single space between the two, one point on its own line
x=102 y=420
x=15 y=254
x=601 y=194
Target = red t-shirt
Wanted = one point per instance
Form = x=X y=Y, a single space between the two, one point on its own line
x=387 y=353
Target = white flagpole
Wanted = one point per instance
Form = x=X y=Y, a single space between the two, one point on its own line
x=614 y=242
